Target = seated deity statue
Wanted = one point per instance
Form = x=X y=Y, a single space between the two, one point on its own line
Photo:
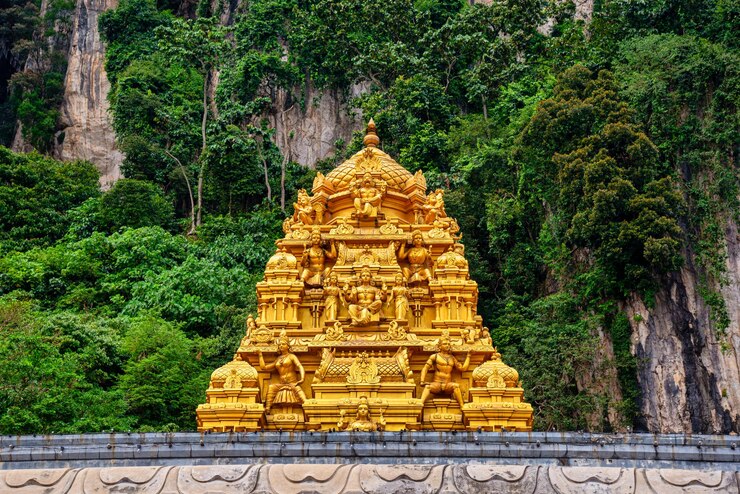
x=435 y=207
x=291 y=373
x=399 y=296
x=364 y=300
x=362 y=422
x=443 y=363
x=251 y=328
x=418 y=257
x=303 y=210
x=470 y=334
x=367 y=194
x=314 y=260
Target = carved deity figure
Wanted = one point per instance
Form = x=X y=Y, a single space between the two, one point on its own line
x=470 y=334
x=314 y=260
x=332 y=293
x=303 y=210
x=435 y=207
x=418 y=257
x=362 y=421
x=399 y=297
x=443 y=363
x=251 y=328
x=368 y=194
x=364 y=300
x=291 y=373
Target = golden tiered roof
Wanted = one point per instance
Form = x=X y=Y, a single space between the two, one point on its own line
x=367 y=318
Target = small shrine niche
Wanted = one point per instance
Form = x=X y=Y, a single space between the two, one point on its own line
x=367 y=318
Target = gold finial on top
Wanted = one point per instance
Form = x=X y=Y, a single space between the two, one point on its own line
x=371 y=139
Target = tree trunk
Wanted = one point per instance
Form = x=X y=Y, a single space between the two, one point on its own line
x=190 y=191
x=204 y=121
x=264 y=167
x=282 y=183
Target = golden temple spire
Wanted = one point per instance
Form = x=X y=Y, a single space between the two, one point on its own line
x=370 y=272
x=371 y=139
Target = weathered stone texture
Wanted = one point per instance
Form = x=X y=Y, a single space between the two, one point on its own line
x=308 y=134
x=370 y=479
x=86 y=123
x=688 y=369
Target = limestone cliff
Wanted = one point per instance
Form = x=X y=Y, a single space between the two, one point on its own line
x=306 y=135
x=688 y=369
x=87 y=132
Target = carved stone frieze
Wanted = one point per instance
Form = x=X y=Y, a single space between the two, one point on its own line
x=367 y=478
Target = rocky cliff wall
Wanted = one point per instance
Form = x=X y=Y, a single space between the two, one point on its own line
x=306 y=135
x=688 y=369
x=87 y=132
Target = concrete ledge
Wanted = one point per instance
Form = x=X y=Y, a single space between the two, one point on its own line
x=367 y=478
x=706 y=453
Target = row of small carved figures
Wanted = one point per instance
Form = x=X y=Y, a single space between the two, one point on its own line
x=368 y=196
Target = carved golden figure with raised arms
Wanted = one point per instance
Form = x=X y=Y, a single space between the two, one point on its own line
x=443 y=363
x=314 y=260
x=418 y=258
x=362 y=421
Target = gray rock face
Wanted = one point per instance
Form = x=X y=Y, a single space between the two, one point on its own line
x=306 y=135
x=87 y=129
x=688 y=370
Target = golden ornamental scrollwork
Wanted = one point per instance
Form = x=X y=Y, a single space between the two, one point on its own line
x=300 y=234
x=390 y=228
x=369 y=162
x=342 y=228
x=335 y=332
x=327 y=357
x=363 y=370
x=318 y=180
x=262 y=335
x=495 y=381
x=395 y=332
x=402 y=357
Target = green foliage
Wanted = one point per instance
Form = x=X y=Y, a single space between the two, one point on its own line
x=55 y=373
x=128 y=32
x=35 y=195
x=685 y=91
x=33 y=52
x=163 y=380
x=617 y=202
x=135 y=203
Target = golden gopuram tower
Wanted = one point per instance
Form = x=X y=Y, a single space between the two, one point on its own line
x=367 y=318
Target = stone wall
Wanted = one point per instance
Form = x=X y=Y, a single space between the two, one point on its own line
x=371 y=479
x=695 y=452
x=423 y=462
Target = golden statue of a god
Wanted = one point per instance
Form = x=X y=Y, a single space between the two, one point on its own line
x=367 y=297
